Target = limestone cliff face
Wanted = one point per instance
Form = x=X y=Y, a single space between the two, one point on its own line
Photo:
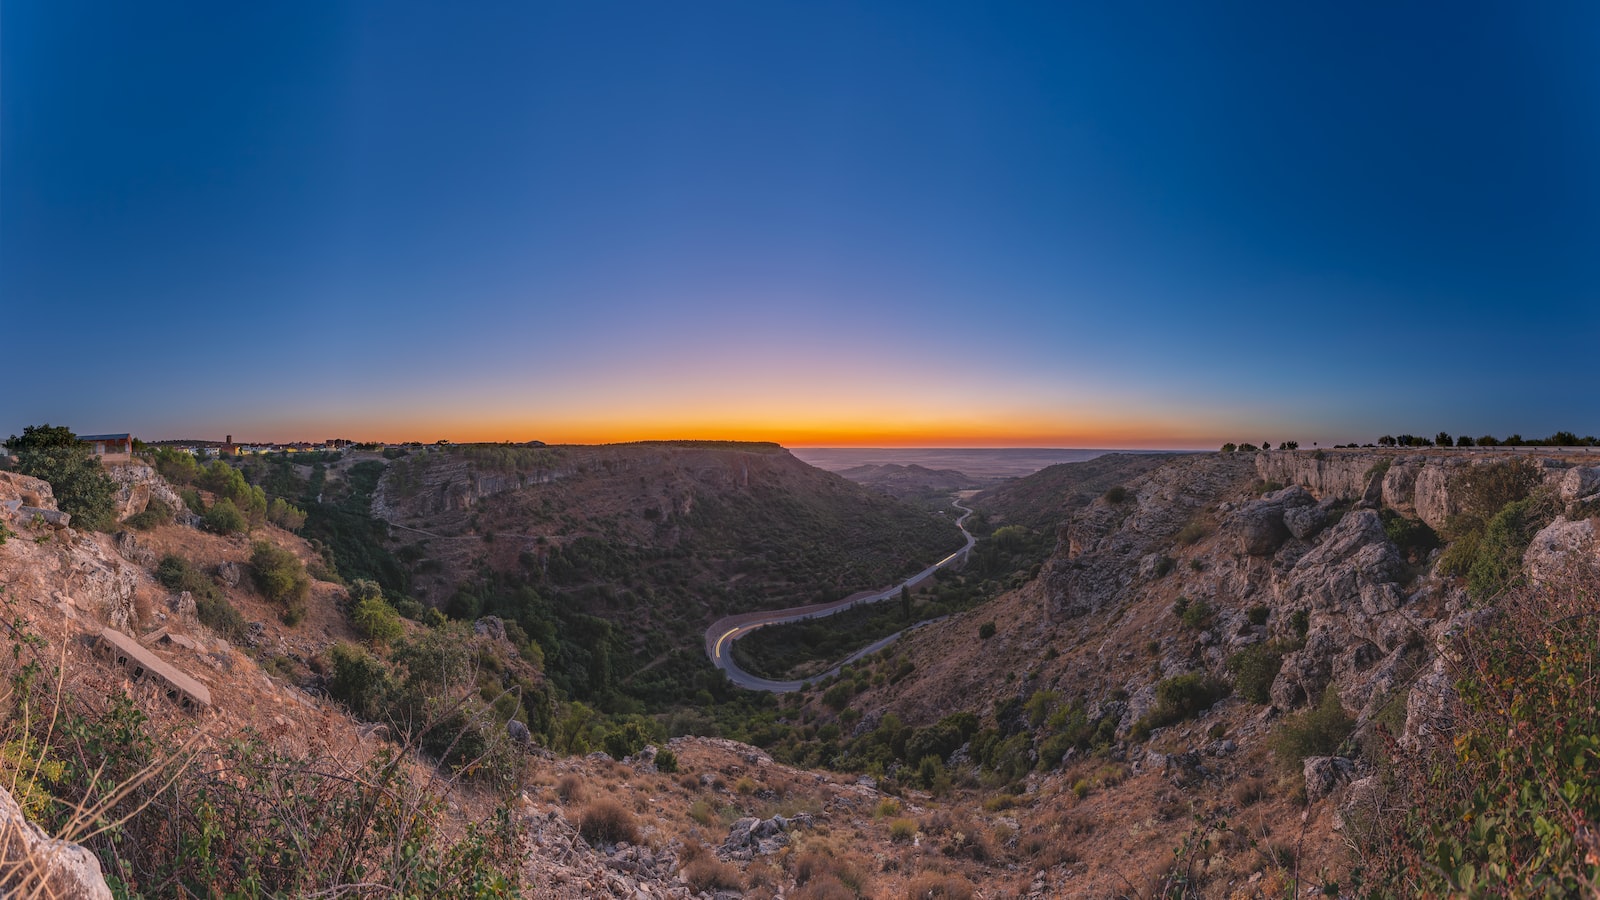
x=1416 y=483
x=1365 y=619
x=58 y=564
x=137 y=485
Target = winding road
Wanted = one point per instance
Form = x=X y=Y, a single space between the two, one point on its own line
x=723 y=632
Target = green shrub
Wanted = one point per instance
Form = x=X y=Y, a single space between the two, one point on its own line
x=666 y=761
x=1197 y=615
x=154 y=513
x=359 y=681
x=285 y=516
x=1315 y=732
x=1183 y=697
x=281 y=578
x=1164 y=566
x=211 y=605
x=1300 y=623
x=377 y=621
x=224 y=518
x=902 y=831
x=1117 y=494
x=1497 y=562
x=1413 y=536
x=986 y=631
x=1257 y=615
x=1255 y=668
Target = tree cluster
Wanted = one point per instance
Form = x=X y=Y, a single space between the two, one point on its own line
x=80 y=484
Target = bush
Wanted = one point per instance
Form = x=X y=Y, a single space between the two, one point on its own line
x=934 y=886
x=607 y=822
x=1116 y=494
x=359 y=681
x=986 y=631
x=377 y=621
x=707 y=873
x=285 y=516
x=1192 y=533
x=1501 y=807
x=1197 y=615
x=1183 y=697
x=281 y=578
x=569 y=788
x=224 y=518
x=210 y=603
x=1257 y=615
x=1255 y=668
x=1314 y=732
x=666 y=761
x=901 y=831
x=1413 y=536
x=1497 y=562
x=154 y=513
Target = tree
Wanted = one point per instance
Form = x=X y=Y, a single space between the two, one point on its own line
x=1463 y=441
x=1444 y=439
x=1387 y=440
x=80 y=485
x=1488 y=440
x=1230 y=447
x=905 y=601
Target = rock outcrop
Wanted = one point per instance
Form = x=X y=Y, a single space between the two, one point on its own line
x=138 y=484
x=33 y=864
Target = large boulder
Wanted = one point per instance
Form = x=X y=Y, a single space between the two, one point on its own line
x=1259 y=528
x=1353 y=559
x=1324 y=775
x=33 y=864
x=1560 y=545
x=1579 y=483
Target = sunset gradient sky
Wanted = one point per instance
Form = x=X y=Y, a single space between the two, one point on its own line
x=877 y=224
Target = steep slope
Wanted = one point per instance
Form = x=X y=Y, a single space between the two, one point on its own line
x=1218 y=659
x=615 y=558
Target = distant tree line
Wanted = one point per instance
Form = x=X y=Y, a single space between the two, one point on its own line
x=1231 y=447
x=1444 y=439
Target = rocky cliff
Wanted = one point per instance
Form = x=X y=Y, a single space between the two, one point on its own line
x=1418 y=483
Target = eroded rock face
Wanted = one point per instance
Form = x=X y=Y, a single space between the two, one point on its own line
x=1560 y=545
x=1324 y=775
x=137 y=485
x=1099 y=554
x=32 y=864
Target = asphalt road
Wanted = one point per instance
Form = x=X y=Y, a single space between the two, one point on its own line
x=723 y=632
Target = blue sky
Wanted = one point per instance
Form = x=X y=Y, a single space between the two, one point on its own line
x=972 y=224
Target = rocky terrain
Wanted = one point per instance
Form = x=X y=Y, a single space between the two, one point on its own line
x=1195 y=563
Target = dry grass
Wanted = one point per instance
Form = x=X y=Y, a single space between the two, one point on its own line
x=707 y=873
x=607 y=822
x=932 y=886
x=570 y=788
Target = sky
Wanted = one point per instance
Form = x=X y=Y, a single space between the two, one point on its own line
x=824 y=224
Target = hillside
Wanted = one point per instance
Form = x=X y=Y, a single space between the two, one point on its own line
x=912 y=482
x=615 y=558
x=1224 y=680
x=1046 y=498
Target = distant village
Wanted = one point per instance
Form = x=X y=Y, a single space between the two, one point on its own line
x=120 y=447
